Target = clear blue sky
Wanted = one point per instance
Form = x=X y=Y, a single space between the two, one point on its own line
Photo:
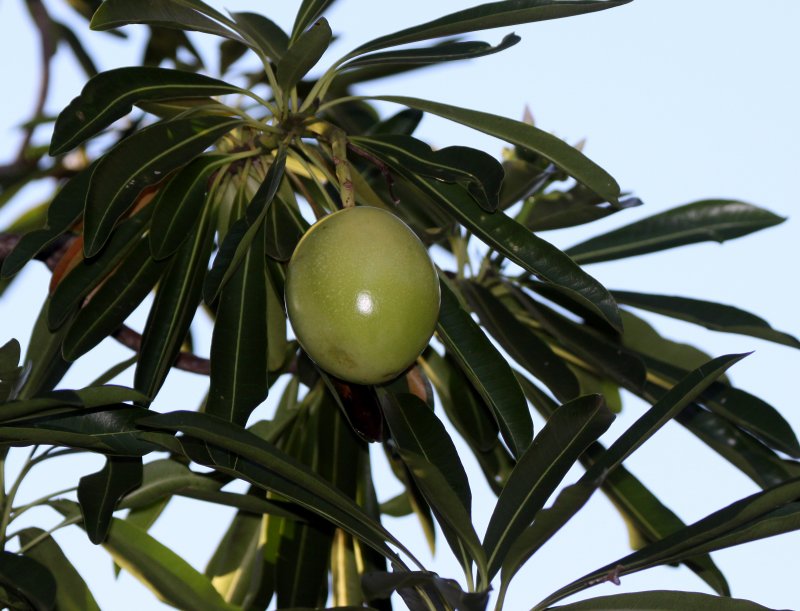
x=680 y=101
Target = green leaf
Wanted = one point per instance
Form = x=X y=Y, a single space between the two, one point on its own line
x=577 y=206
x=452 y=50
x=111 y=95
x=486 y=369
x=303 y=54
x=28 y=579
x=308 y=12
x=9 y=370
x=100 y=493
x=236 y=560
x=262 y=34
x=48 y=367
x=566 y=157
x=521 y=343
x=177 y=298
x=380 y=584
x=714 y=316
x=264 y=465
x=763 y=514
x=662 y=600
x=707 y=220
x=113 y=302
x=177 y=205
x=72 y=593
x=239 y=342
x=69 y=294
x=487 y=16
x=477 y=171
x=139 y=161
x=181 y=14
x=285 y=224
x=540 y=470
x=63 y=212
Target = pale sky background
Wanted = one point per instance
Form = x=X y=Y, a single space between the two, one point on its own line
x=680 y=101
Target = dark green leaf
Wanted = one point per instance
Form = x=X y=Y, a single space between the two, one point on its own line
x=285 y=224
x=486 y=16
x=662 y=600
x=110 y=95
x=77 y=48
x=181 y=14
x=113 y=302
x=309 y=11
x=486 y=369
x=522 y=344
x=566 y=157
x=539 y=471
x=445 y=52
x=263 y=34
x=477 y=171
x=9 y=370
x=139 y=161
x=383 y=584
x=29 y=580
x=237 y=559
x=403 y=122
x=239 y=342
x=714 y=316
x=178 y=296
x=48 y=366
x=100 y=493
x=72 y=593
x=707 y=220
x=303 y=54
x=578 y=206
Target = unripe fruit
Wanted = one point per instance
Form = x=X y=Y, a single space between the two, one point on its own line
x=362 y=295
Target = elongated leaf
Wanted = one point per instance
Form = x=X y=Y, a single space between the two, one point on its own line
x=181 y=14
x=662 y=600
x=486 y=16
x=553 y=452
x=239 y=342
x=178 y=205
x=577 y=206
x=264 y=465
x=28 y=579
x=714 y=316
x=236 y=560
x=72 y=593
x=382 y=584
x=448 y=51
x=308 y=12
x=139 y=161
x=572 y=498
x=303 y=54
x=62 y=213
x=48 y=366
x=263 y=34
x=762 y=514
x=174 y=307
x=100 y=493
x=89 y=397
x=160 y=479
x=521 y=343
x=486 y=369
x=78 y=283
x=478 y=171
x=9 y=370
x=113 y=302
x=285 y=224
x=566 y=157
x=110 y=95
x=707 y=220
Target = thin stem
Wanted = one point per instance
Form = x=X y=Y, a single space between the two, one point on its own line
x=45 y=535
x=16 y=512
x=12 y=492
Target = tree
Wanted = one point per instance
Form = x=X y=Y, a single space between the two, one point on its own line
x=206 y=165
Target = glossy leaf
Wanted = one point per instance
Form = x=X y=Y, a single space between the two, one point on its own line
x=707 y=220
x=72 y=593
x=111 y=95
x=486 y=16
x=539 y=471
x=445 y=52
x=662 y=600
x=139 y=161
x=28 y=579
x=714 y=316
x=566 y=157
x=303 y=54
x=239 y=342
x=182 y=14
x=522 y=344
x=486 y=369
x=177 y=298
x=113 y=302
x=100 y=493
x=264 y=465
x=263 y=34
x=477 y=171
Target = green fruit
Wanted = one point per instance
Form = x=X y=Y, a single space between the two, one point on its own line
x=362 y=295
